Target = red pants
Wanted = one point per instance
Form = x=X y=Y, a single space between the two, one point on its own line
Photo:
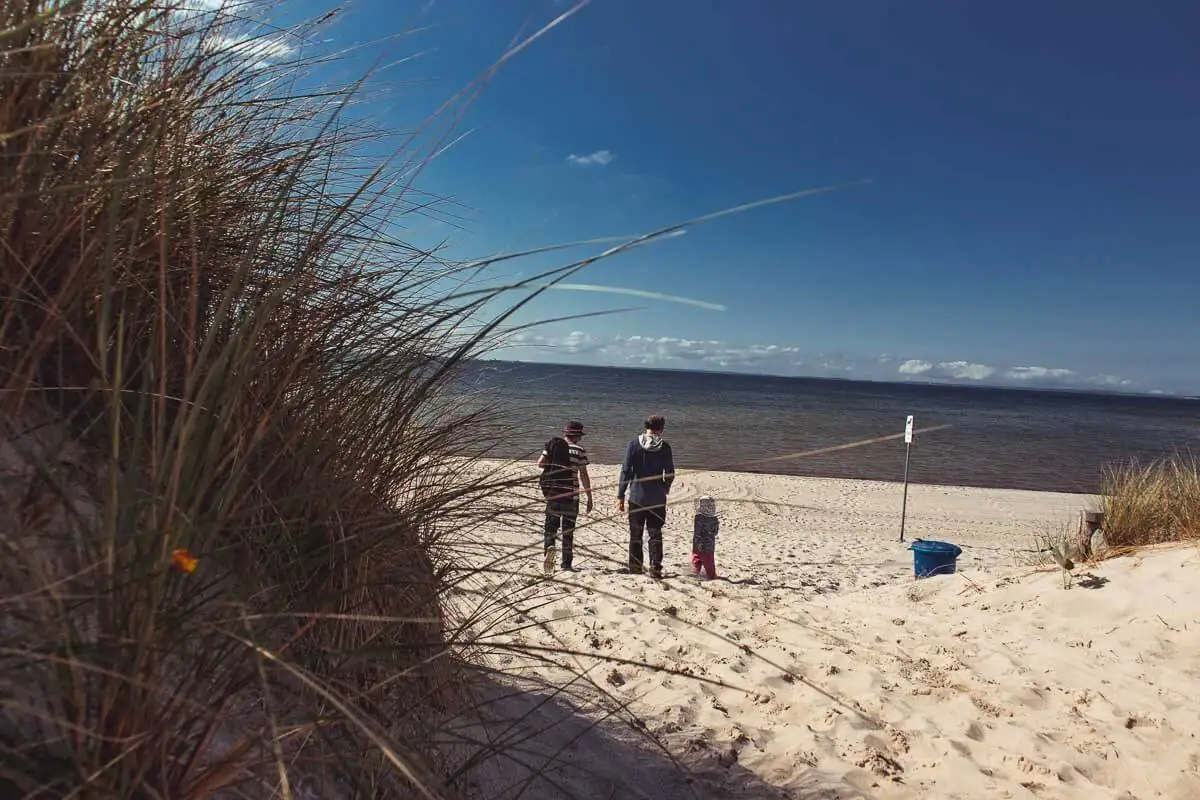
x=705 y=561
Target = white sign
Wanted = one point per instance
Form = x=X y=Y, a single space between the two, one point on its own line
x=908 y=430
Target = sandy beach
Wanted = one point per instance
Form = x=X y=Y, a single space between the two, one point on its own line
x=816 y=667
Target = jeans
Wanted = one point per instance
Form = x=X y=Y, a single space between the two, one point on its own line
x=561 y=515
x=652 y=519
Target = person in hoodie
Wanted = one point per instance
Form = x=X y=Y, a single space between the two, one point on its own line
x=705 y=527
x=647 y=472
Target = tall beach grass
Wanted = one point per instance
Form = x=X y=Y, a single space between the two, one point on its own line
x=232 y=445
x=1152 y=503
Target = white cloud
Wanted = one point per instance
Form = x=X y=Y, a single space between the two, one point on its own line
x=580 y=342
x=946 y=370
x=779 y=359
x=915 y=367
x=261 y=51
x=235 y=26
x=1057 y=376
x=677 y=352
x=221 y=9
x=1108 y=380
x=1038 y=373
x=965 y=370
x=574 y=343
x=599 y=158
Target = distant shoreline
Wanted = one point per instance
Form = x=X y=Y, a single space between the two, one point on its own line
x=701 y=471
x=974 y=386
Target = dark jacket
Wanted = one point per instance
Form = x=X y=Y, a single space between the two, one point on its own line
x=704 y=534
x=647 y=472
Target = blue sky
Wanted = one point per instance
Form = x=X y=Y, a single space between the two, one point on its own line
x=1033 y=215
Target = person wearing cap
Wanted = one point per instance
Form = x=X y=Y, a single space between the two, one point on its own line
x=562 y=512
x=647 y=473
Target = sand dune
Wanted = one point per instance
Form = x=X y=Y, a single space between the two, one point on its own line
x=818 y=668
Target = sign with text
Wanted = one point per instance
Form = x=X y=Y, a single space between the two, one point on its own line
x=908 y=430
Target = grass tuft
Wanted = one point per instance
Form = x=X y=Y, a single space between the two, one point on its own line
x=1155 y=503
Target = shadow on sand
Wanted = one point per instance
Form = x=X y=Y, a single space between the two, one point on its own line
x=532 y=744
x=1089 y=580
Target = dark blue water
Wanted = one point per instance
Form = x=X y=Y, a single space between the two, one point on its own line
x=1054 y=441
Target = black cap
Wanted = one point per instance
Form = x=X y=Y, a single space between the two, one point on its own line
x=573 y=428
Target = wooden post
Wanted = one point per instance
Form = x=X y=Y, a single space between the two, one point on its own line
x=1089 y=523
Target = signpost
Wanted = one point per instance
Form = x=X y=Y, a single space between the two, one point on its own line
x=908 y=436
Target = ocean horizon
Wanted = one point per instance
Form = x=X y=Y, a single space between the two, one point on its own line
x=998 y=437
x=487 y=362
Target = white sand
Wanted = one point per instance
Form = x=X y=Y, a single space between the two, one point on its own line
x=843 y=676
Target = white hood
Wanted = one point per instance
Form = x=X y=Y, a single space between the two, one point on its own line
x=650 y=441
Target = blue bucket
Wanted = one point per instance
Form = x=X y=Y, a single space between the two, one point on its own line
x=934 y=558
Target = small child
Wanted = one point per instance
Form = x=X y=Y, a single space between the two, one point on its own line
x=704 y=538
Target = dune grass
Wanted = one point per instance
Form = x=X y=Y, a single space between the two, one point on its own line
x=1154 y=503
x=233 y=442
x=1144 y=504
x=240 y=478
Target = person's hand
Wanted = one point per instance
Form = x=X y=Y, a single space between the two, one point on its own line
x=621 y=506
x=589 y=504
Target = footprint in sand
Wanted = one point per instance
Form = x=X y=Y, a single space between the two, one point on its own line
x=989 y=708
x=880 y=763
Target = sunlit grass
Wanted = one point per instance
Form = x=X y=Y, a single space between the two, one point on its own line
x=1152 y=503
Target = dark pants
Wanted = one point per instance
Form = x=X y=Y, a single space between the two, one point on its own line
x=561 y=515
x=651 y=519
x=704 y=546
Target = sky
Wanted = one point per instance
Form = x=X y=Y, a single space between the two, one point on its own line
x=1030 y=213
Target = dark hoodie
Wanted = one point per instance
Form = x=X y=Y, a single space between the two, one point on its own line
x=647 y=471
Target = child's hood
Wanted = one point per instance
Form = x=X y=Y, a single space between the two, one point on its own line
x=706 y=506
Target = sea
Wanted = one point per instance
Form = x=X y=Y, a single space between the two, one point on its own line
x=1003 y=438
